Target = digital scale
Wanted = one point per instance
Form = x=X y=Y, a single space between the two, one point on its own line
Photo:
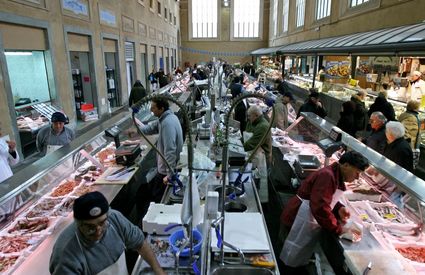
x=124 y=154
x=331 y=144
x=127 y=154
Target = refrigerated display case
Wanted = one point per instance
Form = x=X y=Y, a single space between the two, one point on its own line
x=334 y=94
x=388 y=226
x=36 y=203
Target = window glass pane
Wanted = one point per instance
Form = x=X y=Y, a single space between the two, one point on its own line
x=246 y=18
x=204 y=18
x=275 y=2
x=27 y=74
x=285 y=17
x=358 y=2
x=323 y=9
x=300 y=13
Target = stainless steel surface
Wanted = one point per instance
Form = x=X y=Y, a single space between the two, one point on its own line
x=238 y=250
x=238 y=270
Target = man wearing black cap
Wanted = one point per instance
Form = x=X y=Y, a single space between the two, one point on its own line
x=52 y=137
x=96 y=241
x=281 y=108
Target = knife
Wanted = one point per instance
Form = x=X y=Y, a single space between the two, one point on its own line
x=125 y=171
x=118 y=171
x=367 y=269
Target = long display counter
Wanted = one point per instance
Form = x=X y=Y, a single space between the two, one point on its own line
x=387 y=227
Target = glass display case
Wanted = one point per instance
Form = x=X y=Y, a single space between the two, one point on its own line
x=36 y=203
x=388 y=224
x=334 y=94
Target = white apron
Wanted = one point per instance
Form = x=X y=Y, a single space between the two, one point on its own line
x=304 y=234
x=52 y=148
x=117 y=268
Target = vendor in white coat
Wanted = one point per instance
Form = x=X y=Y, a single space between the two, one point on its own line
x=52 y=137
x=8 y=156
x=417 y=88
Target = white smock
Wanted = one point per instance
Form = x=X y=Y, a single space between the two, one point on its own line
x=6 y=160
x=119 y=267
x=304 y=234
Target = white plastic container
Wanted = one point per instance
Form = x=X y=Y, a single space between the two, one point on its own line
x=159 y=216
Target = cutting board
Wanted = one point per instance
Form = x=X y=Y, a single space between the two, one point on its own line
x=383 y=262
x=245 y=231
x=102 y=179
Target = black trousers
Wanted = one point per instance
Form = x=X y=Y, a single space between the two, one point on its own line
x=150 y=192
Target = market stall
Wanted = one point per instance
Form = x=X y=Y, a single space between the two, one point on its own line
x=387 y=228
x=37 y=201
x=267 y=64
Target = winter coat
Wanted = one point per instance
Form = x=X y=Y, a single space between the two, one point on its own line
x=382 y=105
x=310 y=106
x=377 y=140
x=136 y=94
x=361 y=118
x=411 y=123
x=346 y=120
x=400 y=152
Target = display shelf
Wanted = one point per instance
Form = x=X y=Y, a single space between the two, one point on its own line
x=33 y=183
x=302 y=138
x=112 y=87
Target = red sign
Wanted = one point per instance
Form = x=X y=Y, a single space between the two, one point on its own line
x=86 y=78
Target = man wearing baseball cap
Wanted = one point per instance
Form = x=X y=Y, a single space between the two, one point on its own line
x=52 y=137
x=96 y=241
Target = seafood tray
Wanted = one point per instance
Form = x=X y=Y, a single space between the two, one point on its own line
x=414 y=253
x=64 y=188
x=364 y=211
x=388 y=212
x=30 y=226
x=43 y=208
x=8 y=263
x=82 y=189
x=10 y=244
x=65 y=208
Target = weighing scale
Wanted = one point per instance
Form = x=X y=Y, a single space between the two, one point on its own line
x=331 y=144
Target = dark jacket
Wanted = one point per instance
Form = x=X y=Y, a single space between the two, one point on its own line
x=235 y=89
x=361 y=118
x=382 y=105
x=310 y=106
x=377 y=140
x=163 y=81
x=346 y=119
x=240 y=115
x=259 y=127
x=240 y=110
x=152 y=78
x=136 y=94
x=400 y=152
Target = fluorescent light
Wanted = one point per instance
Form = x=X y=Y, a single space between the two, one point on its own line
x=18 y=53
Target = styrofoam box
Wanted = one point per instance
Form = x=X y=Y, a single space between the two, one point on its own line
x=159 y=216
